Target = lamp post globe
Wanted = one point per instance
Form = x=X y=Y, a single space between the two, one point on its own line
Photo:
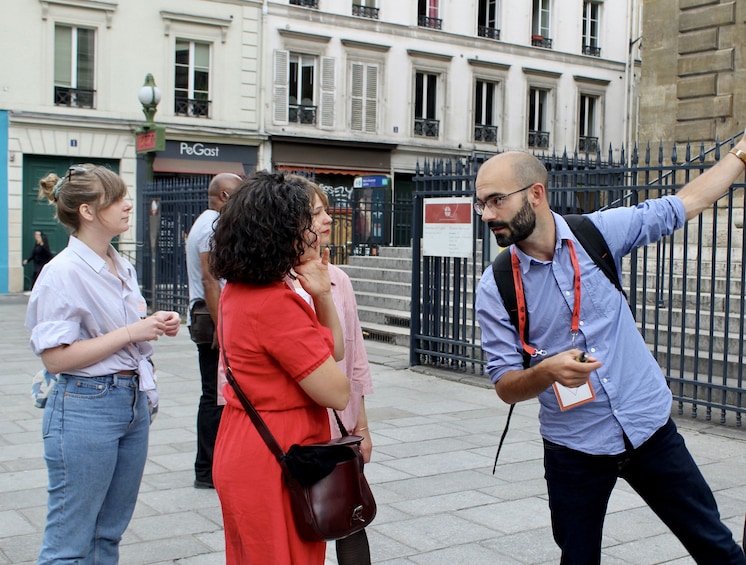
x=149 y=96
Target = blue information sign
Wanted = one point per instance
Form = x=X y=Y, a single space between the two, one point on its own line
x=373 y=181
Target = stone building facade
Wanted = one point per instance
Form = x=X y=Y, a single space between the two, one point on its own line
x=693 y=79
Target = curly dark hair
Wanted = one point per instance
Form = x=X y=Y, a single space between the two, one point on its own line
x=263 y=229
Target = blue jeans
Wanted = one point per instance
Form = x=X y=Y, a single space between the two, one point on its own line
x=95 y=433
x=662 y=472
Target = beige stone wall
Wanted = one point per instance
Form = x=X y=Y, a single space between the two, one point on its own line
x=693 y=81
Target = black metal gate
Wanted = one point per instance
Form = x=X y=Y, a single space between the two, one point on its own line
x=687 y=290
x=163 y=272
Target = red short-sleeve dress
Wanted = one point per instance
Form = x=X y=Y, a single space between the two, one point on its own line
x=273 y=340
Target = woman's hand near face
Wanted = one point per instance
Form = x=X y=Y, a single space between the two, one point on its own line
x=313 y=274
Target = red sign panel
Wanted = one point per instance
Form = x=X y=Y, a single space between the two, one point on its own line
x=448 y=213
x=145 y=142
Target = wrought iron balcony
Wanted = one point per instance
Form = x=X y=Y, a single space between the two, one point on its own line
x=365 y=11
x=591 y=50
x=490 y=32
x=587 y=144
x=301 y=114
x=305 y=3
x=434 y=23
x=541 y=41
x=538 y=139
x=486 y=133
x=191 y=107
x=74 y=97
x=426 y=127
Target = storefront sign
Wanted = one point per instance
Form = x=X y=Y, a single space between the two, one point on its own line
x=198 y=149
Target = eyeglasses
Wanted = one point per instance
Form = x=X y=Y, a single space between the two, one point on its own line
x=496 y=200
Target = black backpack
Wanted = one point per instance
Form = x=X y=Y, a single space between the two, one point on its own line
x=594 y=244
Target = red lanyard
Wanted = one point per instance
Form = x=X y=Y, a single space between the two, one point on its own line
x=521 y=298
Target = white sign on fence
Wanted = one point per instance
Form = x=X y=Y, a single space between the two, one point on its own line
x=447 y=228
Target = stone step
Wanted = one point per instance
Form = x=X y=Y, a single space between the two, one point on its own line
x=385 y=333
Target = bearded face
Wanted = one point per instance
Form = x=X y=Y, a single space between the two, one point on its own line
x=518 y=228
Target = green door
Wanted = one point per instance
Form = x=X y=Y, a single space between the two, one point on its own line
x=39 y=214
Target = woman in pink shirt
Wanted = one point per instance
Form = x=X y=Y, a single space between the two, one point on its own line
x=352 y=550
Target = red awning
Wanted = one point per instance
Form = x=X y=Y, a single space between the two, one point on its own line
x=197 y=167
x=327 y=171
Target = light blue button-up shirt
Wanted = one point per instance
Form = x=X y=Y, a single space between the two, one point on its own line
x=632 y=395
x=76 y=298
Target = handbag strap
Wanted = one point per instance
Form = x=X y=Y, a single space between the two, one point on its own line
x=257 y=420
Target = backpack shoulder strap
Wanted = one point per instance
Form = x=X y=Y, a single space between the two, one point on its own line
x=503 y=273
x=595 y=245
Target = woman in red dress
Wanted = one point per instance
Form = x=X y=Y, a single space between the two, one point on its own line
x=282 y=355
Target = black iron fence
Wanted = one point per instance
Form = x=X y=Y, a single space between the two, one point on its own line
x=687 y=290
x=163 y=275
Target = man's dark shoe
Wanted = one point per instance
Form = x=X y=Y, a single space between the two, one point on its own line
x=203 y=484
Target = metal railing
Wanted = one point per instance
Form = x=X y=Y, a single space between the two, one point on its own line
x=426 y=127
x=587 y=144
x=191 y=107
x=305 y=3
x=365 y=11
x=301 y=114
x=541 y=41
x=486 y=133
x=74 y=97
x=489 y=32
x=687 y=292
x=591 y=50
x=427 y=21
x=538 y=139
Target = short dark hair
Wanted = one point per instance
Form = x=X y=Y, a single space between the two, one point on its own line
x=263 y=229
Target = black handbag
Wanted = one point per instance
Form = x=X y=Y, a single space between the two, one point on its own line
x=202 y=328
x=330 y=496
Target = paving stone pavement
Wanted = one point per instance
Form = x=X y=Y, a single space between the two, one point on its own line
x=434 y=437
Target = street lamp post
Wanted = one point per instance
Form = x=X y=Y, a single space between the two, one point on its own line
x=149 y=139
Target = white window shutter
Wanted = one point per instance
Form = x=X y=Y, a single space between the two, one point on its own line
x=371 y=98
x=280 y=87
x=356 y=97
x=328 y=91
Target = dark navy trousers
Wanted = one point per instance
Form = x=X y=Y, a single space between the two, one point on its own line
x=661 y=471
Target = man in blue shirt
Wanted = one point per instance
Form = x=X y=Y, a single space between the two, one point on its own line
x=204 y=290
x=604 y=403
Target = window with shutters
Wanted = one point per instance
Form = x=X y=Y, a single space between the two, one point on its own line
x=74 y=55
x=364 y=97
x=302 y=94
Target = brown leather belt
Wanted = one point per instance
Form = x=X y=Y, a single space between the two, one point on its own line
x=126 y=373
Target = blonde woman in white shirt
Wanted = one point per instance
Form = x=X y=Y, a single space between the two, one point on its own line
x=89 y=325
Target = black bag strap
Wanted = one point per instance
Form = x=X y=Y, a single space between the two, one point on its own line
x=256 y=419
x=595 y=245
x=591 y=239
